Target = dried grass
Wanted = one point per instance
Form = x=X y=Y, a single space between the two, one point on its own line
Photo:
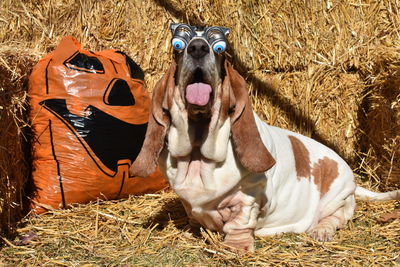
x=327 y=69
x=380 y=138
x=15 y=67
x=152 y=230
x=319 y=102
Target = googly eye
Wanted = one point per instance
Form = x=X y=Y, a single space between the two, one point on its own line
x=219 y=46
x=178 y=44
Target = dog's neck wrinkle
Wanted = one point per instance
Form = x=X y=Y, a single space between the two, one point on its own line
x=195 y=172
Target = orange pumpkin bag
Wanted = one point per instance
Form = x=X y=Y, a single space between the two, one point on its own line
x=89 y=114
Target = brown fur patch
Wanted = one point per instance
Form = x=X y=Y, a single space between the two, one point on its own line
x=247 y=143
x=301 y=158
x=157 y=128
x=325 y=171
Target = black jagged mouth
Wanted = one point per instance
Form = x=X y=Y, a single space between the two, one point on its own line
x=109 y=138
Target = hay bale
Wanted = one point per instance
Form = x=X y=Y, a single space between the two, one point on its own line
x=380 y=121
x=321 y=103
x=15 y=66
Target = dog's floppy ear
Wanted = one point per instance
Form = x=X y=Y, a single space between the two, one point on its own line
x=249 y=148
x=159 y=122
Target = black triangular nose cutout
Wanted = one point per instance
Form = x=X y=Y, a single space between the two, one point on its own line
x=118 y=93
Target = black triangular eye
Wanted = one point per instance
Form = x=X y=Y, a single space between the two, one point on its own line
x=135 y=70
x=118 y=93
x=82 y=62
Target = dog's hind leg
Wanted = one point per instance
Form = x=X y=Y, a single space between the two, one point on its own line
x=327 y=226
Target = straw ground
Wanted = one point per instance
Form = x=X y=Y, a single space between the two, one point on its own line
x=152 y=230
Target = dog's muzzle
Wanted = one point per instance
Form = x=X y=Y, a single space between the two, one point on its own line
x=198 y=90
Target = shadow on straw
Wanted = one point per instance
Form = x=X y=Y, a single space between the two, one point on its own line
x=171 y=212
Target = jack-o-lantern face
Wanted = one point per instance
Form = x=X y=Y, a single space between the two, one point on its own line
x=89 y=113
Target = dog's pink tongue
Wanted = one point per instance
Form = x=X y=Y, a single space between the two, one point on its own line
x=198 y=93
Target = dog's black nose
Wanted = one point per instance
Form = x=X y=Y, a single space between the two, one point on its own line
x=198 y=48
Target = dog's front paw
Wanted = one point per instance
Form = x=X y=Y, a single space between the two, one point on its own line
x=240 y=242
x=322 y=234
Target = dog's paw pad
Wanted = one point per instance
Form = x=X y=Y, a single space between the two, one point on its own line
x=239 y=246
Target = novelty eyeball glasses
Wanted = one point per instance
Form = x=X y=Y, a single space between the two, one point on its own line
x=183 y=33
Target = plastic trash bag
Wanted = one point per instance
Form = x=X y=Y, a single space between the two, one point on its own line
x=89 y=114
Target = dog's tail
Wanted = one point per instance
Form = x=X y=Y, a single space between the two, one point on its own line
x=365 y=194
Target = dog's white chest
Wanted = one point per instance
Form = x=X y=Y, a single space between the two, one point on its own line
x=200 y=181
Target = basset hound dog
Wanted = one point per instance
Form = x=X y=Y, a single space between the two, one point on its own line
x=233 y=172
